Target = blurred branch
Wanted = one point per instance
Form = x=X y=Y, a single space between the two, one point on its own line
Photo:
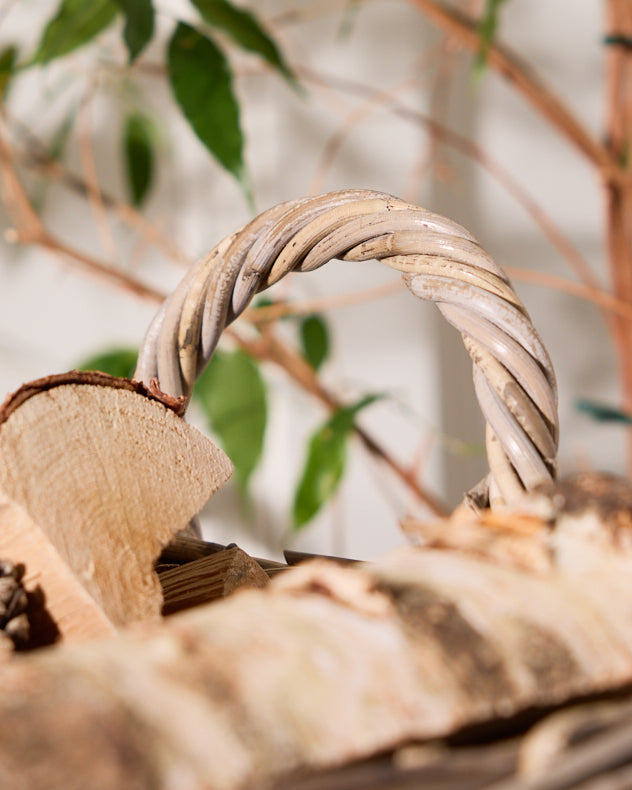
x=433 y=159
x=619 y=191
x=270 y=348
x=29 y=229
x=337 y=139
x=527 y=83
x=308 y=306
x=88 y=164
x=597 y=296
x=548 y=228
x=33 y=154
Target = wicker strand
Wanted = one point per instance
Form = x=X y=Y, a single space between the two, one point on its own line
x=439 y=261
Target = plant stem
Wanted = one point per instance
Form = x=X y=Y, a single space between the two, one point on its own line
x=29 y=229
x=619 y=185
x=270 y=348
x=516 y=71
x=471 y=149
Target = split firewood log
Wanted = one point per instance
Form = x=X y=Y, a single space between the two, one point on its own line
x=59 y=604
x=208 y=578
x=331 y=663
x=97 y=475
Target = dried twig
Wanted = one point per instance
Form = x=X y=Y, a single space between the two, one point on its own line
x=273 y=350
x=555 y=236
x=33 y=154
x=521 y=76
x=273 y=312
x=88 y=163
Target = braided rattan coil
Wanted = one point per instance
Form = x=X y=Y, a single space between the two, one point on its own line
x=439 y=260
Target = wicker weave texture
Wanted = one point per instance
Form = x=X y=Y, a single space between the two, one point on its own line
x=439 y=261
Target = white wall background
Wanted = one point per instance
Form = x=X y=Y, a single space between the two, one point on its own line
x=51 y=317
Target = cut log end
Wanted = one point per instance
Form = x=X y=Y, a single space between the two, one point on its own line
x=106 y=473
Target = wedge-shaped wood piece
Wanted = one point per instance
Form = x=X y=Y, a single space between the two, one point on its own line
x=53 y=588
x=110 y=473
x=209 y=578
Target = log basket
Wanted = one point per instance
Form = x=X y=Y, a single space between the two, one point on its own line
x=439 y=261
x=334 y=675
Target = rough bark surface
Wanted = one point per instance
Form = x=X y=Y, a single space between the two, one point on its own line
x=328 y=664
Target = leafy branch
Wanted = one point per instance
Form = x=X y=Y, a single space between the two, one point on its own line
x=200 y=73
x=199 y=69
x=227 y=374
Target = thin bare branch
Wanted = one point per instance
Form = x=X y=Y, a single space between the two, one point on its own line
x=29 y=229
x=619 y=192
x=88 y=163
x=527 y=83
x=432 y=157
x=102 y=271
x=308 y=306
x=555 y=236
x=596 y=296
x=33 y=154
x=273 y=350
x=354 y=118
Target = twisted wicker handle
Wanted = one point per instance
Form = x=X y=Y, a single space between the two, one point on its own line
x=439 y=261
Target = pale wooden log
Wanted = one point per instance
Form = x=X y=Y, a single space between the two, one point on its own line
x=328 y=664
x=208 y=578
x=109 y=473
x=74 y=611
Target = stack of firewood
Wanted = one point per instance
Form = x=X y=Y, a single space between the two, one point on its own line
x=459 y=661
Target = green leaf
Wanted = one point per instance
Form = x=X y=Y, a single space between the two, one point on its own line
x=349 y=16
x=76 y=23
x=202 y=84
x=487 y=28
x=119 y=362
x=244 y=28
x=603 y=413
x=314 y=340
x=232 y=394
x=139 y=156
x=7 y=62
x=139 y=25
x=326 y=459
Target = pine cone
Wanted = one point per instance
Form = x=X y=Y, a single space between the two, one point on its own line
x=14 y=623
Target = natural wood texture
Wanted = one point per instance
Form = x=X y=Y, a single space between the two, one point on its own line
x=76 y=614
x=186 y=548
x=619 y=184
x=328 y=664
x=109 y=475
x=209 y=578
x=586 y=746
x=14 y=603
x=296 y=557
